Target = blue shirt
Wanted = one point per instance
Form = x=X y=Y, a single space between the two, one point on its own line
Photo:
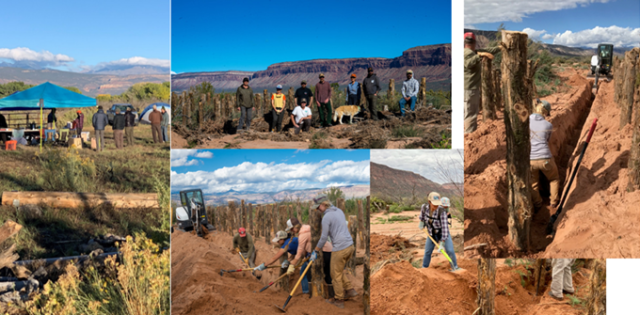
x=293 y=248
x=353 y=88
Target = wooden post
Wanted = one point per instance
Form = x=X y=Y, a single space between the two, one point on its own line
x=360 y=225
x=497 y=90
x=185 y=109
x=203 y=99
x=217 y=106
x=243 y=214
x=251 y=218
x=317 y=268
x=392 y=89
x=539 y=272
x=488 y=95
x=423 y=92
x=233 y=213
x=291 y=213
x=628 y=86
x=366 y=285
x=298 y=212
x=486 y=286
x=517 y=101
x=353 y=230
x=290 y=103
x=596 y=301
x=634 y=158
x=617 y=83
x=341 y=206
x=267 y=223
x=282 y=216
x=258 y=103
x=531 y=72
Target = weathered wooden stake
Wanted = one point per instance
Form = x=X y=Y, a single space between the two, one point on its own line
x=250 y=218
x=317 y=271
x=486 y=286
x=630 y=70
x=488 y=94
x=353 y=230
x=360 y=225
x=366 y=286
x=392 y=89
x=517 y=101
x=596 y=301
x=203 y=99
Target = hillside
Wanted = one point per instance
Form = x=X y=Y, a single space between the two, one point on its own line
x=357 y=191
x=485 y=37
x=90 y=84
x=432 y=62
x=391 y=184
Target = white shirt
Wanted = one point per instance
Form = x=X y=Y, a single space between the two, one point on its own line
x=595 y=60
x=300 y=113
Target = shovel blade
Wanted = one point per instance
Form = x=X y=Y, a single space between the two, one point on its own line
x=280 y=308
x=222 y=272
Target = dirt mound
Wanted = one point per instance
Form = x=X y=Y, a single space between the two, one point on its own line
x=402 y=289
x=198 y=288
x=385 y=247
x=486 y=214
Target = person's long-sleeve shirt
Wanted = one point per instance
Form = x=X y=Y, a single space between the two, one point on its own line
x=334 y=225
x=245 y=244
x=473 y=67
x=353 y=89
x=439 y=221
x=323 y=92
x=410 y=88
x=304 y=242
x=244 y=97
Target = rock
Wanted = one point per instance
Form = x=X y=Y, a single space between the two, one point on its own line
x=90 y=247
x=30 y=212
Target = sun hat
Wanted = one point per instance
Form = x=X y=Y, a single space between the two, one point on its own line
x=434 y=198
x=281 y=235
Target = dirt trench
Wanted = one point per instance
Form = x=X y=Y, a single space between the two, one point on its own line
x=198 y=288
x=486 y=208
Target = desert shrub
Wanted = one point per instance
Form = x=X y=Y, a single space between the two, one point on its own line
x=66 y=170
x=406 y=131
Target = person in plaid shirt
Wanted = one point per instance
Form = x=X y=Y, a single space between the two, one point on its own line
x=434 y=217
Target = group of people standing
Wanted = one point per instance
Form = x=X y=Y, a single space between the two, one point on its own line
x=335 y=246
x=304 y=98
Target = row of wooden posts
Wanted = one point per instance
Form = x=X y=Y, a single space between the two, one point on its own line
x=264 y=221
x=223 y=106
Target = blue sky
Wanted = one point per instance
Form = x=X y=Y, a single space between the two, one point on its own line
x=219 y=36
x=89 y=32
x=581 y=23
x=267 y=170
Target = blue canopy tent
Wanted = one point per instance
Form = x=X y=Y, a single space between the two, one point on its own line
x=45 y=96
x=144 y=115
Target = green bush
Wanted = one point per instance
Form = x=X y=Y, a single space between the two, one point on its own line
x=406 y=131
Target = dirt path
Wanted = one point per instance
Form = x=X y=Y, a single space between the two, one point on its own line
x=400 y=288
x=198 y=288
x=597 y=215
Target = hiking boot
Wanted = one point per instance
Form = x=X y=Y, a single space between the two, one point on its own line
x=350 y=293
x=330 y=293
x=454 y=269
x=568 y=292
x=555 y=297
x=336 y=302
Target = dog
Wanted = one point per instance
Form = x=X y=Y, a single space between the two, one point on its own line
x=346 y=110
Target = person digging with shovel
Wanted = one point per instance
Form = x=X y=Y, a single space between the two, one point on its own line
x=334 y=225
x=434 y=217
x=288 y=246
x=243 y=241
x=541 y=158
x=304 y=250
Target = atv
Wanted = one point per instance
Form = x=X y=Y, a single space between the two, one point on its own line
x=192 y=215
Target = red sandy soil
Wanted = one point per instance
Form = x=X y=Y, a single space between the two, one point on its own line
x=597 y=221
x=402 y=289
x=198 y=288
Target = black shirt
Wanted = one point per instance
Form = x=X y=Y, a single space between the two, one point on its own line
x=303 y=93
x=51 y=118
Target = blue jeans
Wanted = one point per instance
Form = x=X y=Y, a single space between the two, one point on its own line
x=165 y=134
x=305 y=281
x=403 y=102
x=448 y=247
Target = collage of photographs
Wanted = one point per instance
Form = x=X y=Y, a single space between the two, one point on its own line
x=188 y=157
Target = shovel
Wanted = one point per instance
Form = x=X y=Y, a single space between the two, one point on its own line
x=242 y=257
x=294 y=289
x=222 y=271
x=554 y=217
x=440 y=249
x=280 y=278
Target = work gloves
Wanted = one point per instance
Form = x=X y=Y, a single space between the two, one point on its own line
x=291 y=269
x=260 y=268
x=441 y=246
x=314 y=255
x=285 y=264
x=421 y=225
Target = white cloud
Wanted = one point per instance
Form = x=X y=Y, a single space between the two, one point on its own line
x=618 y=36
x=133 y=61
x=490 y=11
x=25 y=57
x=263 y=177
x=423 y=162
x=181 y=157
x=534 y=34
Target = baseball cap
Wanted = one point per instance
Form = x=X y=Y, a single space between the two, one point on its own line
x=245 y=80
x=303 y=82
x=281 y=235
x=546 y=105
x=410 y=71
x=79 y=111
x=303 y=101
x=318 y=200
x=446 y=202
x=353 y=75
x=321 y=75
x=469 y=37
x=242 y=232
x=279 y=87
x=434 y=198
x=370 y=69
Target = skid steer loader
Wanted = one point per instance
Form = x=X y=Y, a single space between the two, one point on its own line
x=603 y=69
x=192 y=215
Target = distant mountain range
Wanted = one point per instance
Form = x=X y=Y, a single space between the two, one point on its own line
x=432 y=62
x=485 y=37
x=354 y=191
x=131 y=70
x=392 y=184
x=90 y=84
